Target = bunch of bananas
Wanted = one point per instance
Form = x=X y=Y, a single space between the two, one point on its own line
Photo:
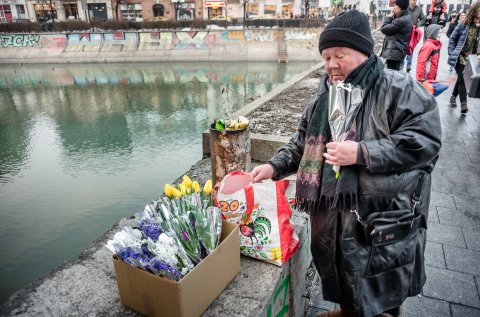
x=232 y=124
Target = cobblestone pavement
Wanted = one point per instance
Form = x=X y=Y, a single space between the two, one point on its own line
x=453 y=236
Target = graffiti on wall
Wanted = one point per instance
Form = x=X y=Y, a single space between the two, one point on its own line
x=155 y=41
x=55 y=42
x=261 y=35
x=120 y=42
x=190 y=40
x=84 y=42
x=301 y=38
x=19 y=40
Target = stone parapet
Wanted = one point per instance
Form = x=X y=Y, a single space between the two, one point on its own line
x=162 y=45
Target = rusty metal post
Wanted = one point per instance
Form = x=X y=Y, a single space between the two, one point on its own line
x=229 y=151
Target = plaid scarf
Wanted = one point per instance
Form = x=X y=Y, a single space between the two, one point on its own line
x=317 y=188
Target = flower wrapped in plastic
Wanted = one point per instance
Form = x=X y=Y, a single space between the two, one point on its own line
x=173 y=233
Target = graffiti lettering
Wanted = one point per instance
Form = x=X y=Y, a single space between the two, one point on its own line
x=191 y=40
x=260 y=36
x=155 y=41
x=300 y=35
x=19 y=40
x=235 y=35
x=303 y=44
x=279 y=307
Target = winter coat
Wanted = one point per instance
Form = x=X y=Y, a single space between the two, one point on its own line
x=402 y=135
x=417 y=15
x=430 y=52
x=453 y=24
x=436 y=20
x=397 y=35
x=456 y=43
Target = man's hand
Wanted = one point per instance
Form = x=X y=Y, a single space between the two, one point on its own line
x=429 y=16
x=261 y=172
x=341 y=153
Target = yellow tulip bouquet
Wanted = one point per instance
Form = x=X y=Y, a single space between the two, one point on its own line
x=174 y=233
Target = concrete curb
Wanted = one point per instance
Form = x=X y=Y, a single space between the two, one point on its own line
x=263 y=146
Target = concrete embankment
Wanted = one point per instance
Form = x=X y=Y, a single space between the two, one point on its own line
x=87 y=286
x=166 y=45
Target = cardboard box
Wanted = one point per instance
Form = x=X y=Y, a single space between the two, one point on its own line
x=152 y=295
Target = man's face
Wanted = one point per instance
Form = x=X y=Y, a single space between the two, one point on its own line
x=341 y=61
x=413 y=3
x=437 y=9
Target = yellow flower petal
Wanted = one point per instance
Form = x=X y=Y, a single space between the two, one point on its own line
x=187 y=182
x=207 y=188
x=168 y=190
x=196 y=186
x=183 y=189
x=176 y=193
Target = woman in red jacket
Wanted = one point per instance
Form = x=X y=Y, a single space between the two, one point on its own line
x=429 y=53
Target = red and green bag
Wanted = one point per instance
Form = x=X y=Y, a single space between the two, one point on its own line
x=263 y=213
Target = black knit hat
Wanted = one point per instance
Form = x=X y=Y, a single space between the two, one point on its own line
x=403 y=4
x=348 y=29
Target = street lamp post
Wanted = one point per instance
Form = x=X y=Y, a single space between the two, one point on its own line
x=245 y=2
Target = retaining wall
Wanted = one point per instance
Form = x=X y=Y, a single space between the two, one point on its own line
x=211 y=45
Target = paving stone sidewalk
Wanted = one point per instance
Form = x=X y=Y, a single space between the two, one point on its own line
x=453 y=236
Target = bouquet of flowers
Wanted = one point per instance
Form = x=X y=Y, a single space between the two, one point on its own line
x=172 y=234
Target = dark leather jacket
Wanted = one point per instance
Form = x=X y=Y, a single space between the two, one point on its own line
x=397 y=35
x=402 y=136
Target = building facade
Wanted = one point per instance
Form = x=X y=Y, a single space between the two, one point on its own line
x=11 y=10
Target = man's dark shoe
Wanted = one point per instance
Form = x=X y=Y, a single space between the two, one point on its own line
x=408 y=70
x=452 y=101
x=463 y=107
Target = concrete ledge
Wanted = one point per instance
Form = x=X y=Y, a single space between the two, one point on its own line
x=263 y=146
x=87 y=286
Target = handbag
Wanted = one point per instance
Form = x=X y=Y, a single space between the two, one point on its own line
x=388 y=227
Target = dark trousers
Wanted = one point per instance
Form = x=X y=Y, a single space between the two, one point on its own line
x=392 y=64
x=459 y=88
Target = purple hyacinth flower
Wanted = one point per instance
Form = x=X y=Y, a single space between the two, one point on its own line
x=151 y=229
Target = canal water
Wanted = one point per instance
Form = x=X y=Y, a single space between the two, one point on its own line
x=82 y=146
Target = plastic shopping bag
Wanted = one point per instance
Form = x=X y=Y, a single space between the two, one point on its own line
x=263 y=213
x=435 y=87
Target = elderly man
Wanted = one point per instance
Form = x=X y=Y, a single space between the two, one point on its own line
x=385 y=162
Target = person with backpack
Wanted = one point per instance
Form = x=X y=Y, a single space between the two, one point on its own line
x=397 y=28
x=429 y=54
x=464 y=40
x=418 y=20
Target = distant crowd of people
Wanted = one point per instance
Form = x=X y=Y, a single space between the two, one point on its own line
x=399 y=28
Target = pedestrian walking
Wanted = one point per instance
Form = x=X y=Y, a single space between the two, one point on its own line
x=429 y=54
x=418 y=19
x=458 y=18
x=464 y=40
x=455 y=19
x=387 y=158
x=397 y=28
x=452 y=16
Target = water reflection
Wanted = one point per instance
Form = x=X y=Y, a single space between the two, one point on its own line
x=82 y=146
